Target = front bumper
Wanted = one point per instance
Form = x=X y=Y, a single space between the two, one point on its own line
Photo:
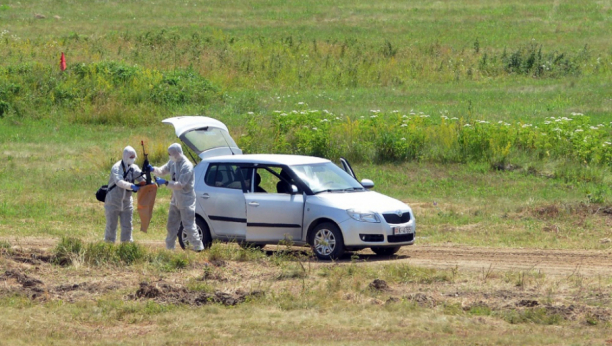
x=365 y=234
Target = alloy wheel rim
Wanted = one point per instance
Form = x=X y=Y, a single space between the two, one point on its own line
x=185 y=239
x=324 y=242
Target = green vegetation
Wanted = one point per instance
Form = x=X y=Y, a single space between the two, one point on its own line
x=72 y=251
x=490 y=119
x=396 y=137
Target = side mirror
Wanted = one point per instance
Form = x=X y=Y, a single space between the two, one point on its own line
x=367 y=183
x=294 y=189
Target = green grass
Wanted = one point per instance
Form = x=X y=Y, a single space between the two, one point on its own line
x=133 y=63
x=52 y=195
x=73 y=251
x=348 y=57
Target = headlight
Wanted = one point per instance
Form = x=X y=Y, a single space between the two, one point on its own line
x=363 y=216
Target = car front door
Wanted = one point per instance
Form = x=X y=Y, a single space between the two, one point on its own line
x=222 y=199
x=273 y=212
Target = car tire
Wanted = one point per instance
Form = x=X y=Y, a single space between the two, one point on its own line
x=385 y=251
x=326 y=241
x=203 y=231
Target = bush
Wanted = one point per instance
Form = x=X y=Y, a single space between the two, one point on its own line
x=67 y=250
x=391 y=137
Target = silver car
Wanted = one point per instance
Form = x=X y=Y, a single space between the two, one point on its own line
x=266 y=199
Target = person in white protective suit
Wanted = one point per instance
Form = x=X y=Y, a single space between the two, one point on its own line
x=182 y=204
x=118 y=202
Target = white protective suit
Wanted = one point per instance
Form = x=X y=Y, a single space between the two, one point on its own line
x=118 y=202
x=182 y=204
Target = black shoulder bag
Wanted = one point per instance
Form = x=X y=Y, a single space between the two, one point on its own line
x=104 y=189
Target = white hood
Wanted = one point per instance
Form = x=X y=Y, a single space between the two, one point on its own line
x=362 y=201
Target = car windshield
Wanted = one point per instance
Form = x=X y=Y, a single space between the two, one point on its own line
x=322 y=177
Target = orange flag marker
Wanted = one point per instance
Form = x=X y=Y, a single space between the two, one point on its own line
x=62 y=62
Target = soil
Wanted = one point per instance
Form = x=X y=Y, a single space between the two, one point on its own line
x=28 y=271
x=550 y=262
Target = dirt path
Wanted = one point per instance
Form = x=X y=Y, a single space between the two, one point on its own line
x=551 y=262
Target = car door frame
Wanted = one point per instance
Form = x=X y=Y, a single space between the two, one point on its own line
x=274 y=232
x=217 y=222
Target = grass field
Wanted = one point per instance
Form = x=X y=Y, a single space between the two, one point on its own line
x=133 y=63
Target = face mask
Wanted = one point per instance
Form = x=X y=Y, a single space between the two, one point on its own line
x=130 y=161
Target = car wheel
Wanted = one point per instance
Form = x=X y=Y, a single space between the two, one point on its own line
x=246 y=245
x=326 y=241
x=385 y=251
x=203 y=231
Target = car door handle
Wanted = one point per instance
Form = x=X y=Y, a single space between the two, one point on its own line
x=206 y=196
x=254 y=204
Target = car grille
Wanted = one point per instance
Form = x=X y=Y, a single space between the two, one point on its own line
x=400 y=238
x=372 y=237
x=394 y=219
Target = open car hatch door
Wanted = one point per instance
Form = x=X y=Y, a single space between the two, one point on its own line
x=207 y=137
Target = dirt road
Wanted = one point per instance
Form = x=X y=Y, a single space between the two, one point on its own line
x=550 y=262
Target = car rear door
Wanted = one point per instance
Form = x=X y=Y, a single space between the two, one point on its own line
x=223 y=202
x=273 y=213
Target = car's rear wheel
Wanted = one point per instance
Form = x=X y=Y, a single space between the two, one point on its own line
x=385 y=251
x=326 y=241
x=203 y=232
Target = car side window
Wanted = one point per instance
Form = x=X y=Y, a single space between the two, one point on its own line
x=224 y=175
x=268 y=180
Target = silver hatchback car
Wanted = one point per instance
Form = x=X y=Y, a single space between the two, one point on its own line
x=265 y=199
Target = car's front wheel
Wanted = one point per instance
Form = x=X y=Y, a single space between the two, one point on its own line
x=203 y=232
x=385 y=251
x=326 y=241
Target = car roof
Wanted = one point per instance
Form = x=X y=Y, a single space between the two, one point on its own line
x=268 y=159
